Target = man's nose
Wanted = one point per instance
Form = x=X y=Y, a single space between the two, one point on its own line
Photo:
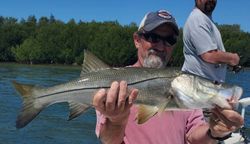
x=159 y=46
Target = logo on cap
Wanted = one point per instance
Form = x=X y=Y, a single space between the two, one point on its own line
x=164 y=14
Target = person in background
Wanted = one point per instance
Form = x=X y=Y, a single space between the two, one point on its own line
x=205 y=54
x=204 y=51
x=116 y=113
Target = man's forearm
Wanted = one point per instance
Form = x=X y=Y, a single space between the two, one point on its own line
x=200 y=135
x=220 y=57
x=112 y=133
x=228 y=58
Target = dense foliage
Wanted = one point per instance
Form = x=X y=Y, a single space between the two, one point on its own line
x=48 y=40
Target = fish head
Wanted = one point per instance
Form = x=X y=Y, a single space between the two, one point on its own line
x=188 y=93
x=196 y=92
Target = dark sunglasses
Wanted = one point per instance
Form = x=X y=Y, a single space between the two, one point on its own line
x=155 y=38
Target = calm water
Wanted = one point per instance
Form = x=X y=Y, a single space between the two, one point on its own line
x=51 y=125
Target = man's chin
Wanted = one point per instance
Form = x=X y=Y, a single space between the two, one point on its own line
x=155 y=62
x=210 y=8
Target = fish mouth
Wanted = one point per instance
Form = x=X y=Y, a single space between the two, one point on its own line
x=238 y=91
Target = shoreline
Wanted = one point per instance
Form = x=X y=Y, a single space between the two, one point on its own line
x=41 y=65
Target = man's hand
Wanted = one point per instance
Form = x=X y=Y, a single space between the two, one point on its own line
x=115 y=103
x=224 y=121
x=235 y=59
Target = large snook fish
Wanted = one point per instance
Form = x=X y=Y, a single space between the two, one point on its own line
x=159 y=90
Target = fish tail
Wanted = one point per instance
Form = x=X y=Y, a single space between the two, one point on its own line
x=29 y=109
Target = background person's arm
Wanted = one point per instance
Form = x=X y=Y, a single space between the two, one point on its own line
x=217 y=57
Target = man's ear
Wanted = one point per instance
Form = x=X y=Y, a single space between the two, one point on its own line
x=137 y=40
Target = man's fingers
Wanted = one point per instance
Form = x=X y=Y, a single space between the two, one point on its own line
x=218 y=127
x=133 y=96
x=115 y=103
x=122 y=96
x=112 y=97
x=99 y=100
x=229 y=117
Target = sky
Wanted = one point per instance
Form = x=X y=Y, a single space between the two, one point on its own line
x=123 y=11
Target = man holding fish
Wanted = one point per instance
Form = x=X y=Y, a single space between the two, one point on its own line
x=169 y=103
x=116 y=113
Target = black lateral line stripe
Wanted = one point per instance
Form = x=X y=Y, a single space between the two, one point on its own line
x=133 y=83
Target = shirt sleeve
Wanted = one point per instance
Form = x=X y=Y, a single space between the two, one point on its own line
x=202 y=38
x=100 y=120
x=195 y=120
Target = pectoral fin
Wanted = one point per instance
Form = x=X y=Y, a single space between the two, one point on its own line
x=163 y=106
x=145 y=112
x=77 y=109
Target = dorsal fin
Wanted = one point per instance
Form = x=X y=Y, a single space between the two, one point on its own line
x=92 y=63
